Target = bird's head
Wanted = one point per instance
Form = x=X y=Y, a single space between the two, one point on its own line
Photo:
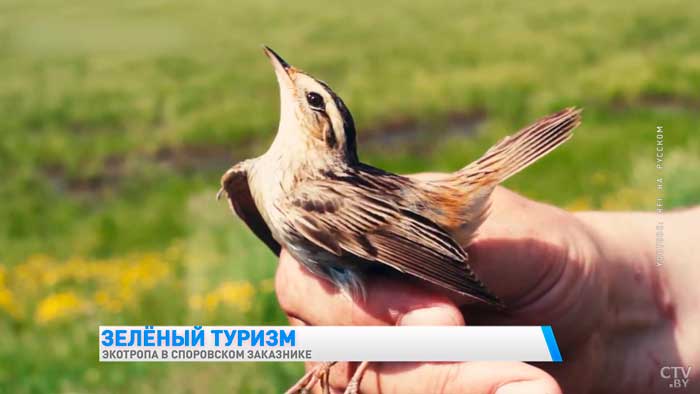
x=312 y=112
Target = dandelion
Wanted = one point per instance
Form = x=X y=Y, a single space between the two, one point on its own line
x=107 y=302
x=196 y=302
x=7 y=301
x=579 y=204
x=625 y=198
x=238 y=294
x=32 y=274
x=211 y=302
x=58 y=306
x=51 y=289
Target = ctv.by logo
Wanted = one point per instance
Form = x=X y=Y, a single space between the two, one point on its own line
x=678 y=376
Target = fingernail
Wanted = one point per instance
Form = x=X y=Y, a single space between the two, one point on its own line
x=523 y=387
x=431 y=316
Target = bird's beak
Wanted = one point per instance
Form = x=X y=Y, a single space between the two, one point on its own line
x=285 y=77
x=283 y=70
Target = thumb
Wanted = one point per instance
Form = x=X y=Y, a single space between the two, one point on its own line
x=438 y=314
x=455 y=378
x=447 y=377
x=523 y=247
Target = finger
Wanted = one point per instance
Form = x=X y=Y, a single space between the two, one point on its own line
x=468 y=377
x=509 y=247
x=437 y=315
x=296 y=322
x=307 y=298
x=390 y=300
x=540 y=260
x=523 y=248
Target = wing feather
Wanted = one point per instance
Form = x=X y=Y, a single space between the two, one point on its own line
x=235 y=184
x=381 y=228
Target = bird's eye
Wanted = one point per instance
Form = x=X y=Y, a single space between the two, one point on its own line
x=315 y=100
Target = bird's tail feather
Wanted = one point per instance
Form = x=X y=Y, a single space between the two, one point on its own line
x=516 y=152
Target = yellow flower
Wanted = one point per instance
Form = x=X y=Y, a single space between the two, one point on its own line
x=626 y=198
x=104 y=301
x=7 y=299
x=196 y=302
x=32 y=274
x=211 y=301
x=7 y=302
x=57 y=306
x=108 y=285
x=237 y=294
x=580 y=204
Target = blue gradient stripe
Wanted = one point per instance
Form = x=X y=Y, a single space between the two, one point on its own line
x=551 y=343
x=323 y=343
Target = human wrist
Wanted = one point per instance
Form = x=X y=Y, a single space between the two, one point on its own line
x=646 y=302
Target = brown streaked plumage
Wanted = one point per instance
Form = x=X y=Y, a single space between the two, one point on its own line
x=310 y=194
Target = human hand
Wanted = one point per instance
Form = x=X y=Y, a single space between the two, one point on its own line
x=549 y=267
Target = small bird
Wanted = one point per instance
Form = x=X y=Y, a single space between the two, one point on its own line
x=311 y=195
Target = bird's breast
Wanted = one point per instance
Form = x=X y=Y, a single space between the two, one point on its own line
x=273 y=178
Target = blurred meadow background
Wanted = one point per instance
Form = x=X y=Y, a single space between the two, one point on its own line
x=118 y=118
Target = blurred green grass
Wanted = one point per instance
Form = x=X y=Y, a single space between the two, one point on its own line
x=118 y=118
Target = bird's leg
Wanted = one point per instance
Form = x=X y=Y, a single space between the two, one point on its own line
x=354 y=384
x=309 y=380
x=320 y=375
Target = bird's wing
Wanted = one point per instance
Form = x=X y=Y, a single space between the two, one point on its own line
x=349 y=219
x=235 y=184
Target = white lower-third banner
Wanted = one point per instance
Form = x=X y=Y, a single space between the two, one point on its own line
x=332 y=343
